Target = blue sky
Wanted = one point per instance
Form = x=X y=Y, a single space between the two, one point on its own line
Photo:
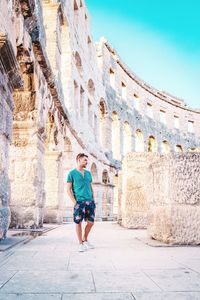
x=158 y=40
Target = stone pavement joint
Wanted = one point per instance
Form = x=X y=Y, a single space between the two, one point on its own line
x=121 y=267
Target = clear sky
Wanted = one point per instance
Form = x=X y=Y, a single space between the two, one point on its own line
x=158 y=40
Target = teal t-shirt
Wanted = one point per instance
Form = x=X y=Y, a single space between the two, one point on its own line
x=81 y=185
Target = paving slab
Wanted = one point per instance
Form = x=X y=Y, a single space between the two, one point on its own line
x=54 y=281
x=123 y=281
x=175 y=280
x=5 y=276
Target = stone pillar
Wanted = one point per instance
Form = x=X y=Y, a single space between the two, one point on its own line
x=107 y=202
x=54 y=187
x=27 y=176
x=98 y=199
x=6 y=107
x=119 y=198
x=68 y=165
x=137 y=189
x=106 y=133
x=50 y=17
x=4 y=183
x=116 y=196
x=175 y=205
x=121 y=140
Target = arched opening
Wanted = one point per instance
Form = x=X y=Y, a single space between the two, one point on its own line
x=165 y=148
x=90 y=48
x=127 y=138
x=82 y=101
x=103 y=125
x=193 y=149
x=178 y=148
x=123 y=90
x=149 y=110
x=152 y=144
x=107 y=198
x=76 y=13
x=112 y=78
x=136 y=101
x=139 y=141
x=78 y=63
x=91 y=88
x=91 y=91
x=75 y=5
x=76 y=98
x=105 y=177
x=116 y=136
x=94 y=173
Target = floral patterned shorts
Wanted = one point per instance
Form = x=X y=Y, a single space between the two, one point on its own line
x=84 y=210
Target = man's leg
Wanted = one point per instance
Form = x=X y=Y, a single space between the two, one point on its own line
x=88 y=227
x=79 y=232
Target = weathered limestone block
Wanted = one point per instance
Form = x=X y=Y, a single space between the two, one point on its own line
x=137 y=189
x=174 y=215
x=27 y=177
x=53 y=212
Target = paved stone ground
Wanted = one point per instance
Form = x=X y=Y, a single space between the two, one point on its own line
x=120 y=268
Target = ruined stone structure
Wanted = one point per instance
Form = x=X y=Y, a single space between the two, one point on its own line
x=162 y=193
x=67 y=95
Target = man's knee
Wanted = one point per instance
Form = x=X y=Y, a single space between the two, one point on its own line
x=89 y=223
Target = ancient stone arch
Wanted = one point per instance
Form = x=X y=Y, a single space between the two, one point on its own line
x=76 y=98
x=127 y=138
x=116 y=136
x=75 y=5
x=165 y=147
x=139 y=141
x=94 y=172
x=152 y=144
x=91 y=87
x=193 y=149
x=178 y=148
x=105 y=177
x=78 y=62
x=105 y=126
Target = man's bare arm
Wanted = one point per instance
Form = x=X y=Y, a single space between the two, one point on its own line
x=92 y=190
x=70 y=193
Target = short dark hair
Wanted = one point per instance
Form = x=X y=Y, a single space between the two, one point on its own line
x=80 y=155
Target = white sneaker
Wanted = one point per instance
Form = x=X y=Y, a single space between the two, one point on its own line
x=82 y=248
x=88 y=245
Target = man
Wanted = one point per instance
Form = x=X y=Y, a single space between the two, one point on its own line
x=80 y=191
